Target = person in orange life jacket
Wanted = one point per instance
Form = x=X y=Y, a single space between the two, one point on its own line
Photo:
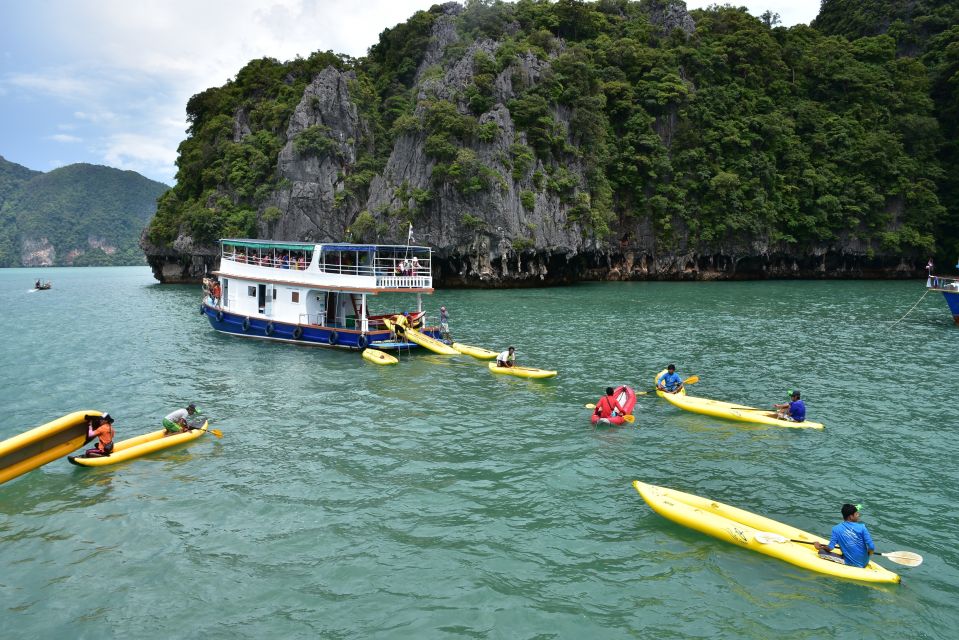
x=608 y=407
x=104 y=433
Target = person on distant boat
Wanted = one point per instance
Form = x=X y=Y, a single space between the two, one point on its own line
x=39 y=284
x=852 y=537
x=670 y=382
x=415 y=266
x=104 y=433
x=176 y=422
x=608 y=407
x=216 y=292
x=794 y=410
x=445 y=325
x=507 y=358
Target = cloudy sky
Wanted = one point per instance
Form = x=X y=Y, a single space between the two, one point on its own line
x=107 y=81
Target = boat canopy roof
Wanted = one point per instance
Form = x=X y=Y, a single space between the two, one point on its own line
x=268 y=244
x=249 y=243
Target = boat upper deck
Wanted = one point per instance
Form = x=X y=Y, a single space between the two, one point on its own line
x=372 y=268
x=942 y=283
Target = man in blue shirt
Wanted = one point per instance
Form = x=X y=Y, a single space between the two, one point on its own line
x=670 y=382
x=852 y=537
x=794 y=411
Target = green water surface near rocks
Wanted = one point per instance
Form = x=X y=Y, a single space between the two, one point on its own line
x=435 y=500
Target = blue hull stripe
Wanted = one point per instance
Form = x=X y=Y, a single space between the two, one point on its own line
x=285 y=332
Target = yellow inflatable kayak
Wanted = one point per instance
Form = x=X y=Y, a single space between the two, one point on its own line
x=728 y=410
x=421 y=339
x=378 y=357
x=39 y=446
x=140 y=446
x=741 y=528
x=477 y=352
x=522 y=372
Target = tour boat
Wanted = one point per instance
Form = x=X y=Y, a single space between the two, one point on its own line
x=317 y=294
x=949 y=288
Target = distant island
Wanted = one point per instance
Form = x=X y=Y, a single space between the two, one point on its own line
x=77 y=215
x=536 y=142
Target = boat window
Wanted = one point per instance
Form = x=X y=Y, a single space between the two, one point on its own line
x=251 y=291
x=295 y=297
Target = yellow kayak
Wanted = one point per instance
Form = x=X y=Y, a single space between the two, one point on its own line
x=522 y=372
x=421 y=339
x=741 y=528
x=36 y=447
x=140 y=446
x=378 y=357
x=477 y=352
x=728 y=410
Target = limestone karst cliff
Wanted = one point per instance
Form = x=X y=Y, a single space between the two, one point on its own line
x=542 y=143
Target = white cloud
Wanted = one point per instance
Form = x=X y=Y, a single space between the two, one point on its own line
x=63 y=137
x=127 y=69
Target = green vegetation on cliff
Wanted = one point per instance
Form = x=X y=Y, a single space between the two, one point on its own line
x=740 y=131
x=87 y=214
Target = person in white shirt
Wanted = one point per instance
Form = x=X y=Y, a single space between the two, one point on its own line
x=177 y=421
x=507 y=358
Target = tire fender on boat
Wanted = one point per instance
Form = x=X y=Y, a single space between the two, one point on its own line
x=334 y=337
x=246 y=324
x=297 y=333
x=219 y=316
x=269 y=328
x=362 y=342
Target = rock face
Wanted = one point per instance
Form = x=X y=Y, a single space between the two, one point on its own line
x=512 y=233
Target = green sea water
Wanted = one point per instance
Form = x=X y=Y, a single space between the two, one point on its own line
x=435 y=500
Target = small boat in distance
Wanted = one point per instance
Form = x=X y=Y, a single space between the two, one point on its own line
x=317 y=294
x=949 y=288
x=43 y=286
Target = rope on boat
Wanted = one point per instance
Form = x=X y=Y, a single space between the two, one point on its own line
x=910 y=310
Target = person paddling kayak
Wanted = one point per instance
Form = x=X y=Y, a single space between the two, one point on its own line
x=794 y=410
x=670 y=382
x=608 y=407
x=852 y=537
x=176 y=421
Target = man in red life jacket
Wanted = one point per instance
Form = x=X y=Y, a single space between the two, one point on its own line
x=607 y=407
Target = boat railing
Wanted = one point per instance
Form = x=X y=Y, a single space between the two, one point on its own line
x=941 y=283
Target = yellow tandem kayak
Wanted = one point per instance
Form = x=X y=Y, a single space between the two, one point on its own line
x=378 y=357
x=421 y=339
x=728 y=410
x=36 y=447
x=140 y=446
x=741 y=528
x=522 y=372
x=477 y=352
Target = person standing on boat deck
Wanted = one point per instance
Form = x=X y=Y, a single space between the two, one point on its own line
x=415 y=266
x=607 y=407
x=507 y=358
x=445 y=324
x=38 y=284
x=794 y=410
x=670 y=382
x=103 y=432
x=852 y=537
x=177 y=421
x=216 y=292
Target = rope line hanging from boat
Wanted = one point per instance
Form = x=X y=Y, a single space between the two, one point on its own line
x=910 y=309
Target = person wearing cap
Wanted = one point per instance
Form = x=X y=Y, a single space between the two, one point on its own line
x=794 y=410
x=670 y=382
x=104 y=433
x=852 y=537
x=177 y=421
x=507 y=358
x=445 y=324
